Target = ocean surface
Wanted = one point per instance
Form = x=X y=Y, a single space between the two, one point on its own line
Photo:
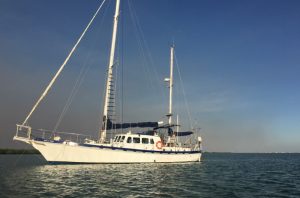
x=218 y=175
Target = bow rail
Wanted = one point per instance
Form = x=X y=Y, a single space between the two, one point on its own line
x=27 y=133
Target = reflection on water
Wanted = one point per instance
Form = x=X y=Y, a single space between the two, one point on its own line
x=225 y=175
x=124 y=180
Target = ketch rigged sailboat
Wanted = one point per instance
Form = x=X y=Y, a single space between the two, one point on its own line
x=142 y=147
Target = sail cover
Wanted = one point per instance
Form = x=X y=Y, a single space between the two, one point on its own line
x=179 y=133
x=183 y=133
x=111 y=125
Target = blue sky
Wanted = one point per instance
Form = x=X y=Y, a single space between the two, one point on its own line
x=239 y=61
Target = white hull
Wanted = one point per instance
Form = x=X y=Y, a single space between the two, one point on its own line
x=62 y=153
x=144 y=147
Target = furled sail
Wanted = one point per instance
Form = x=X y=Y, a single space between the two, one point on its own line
x=183 y=133
x=178 y=133
x=111 y=125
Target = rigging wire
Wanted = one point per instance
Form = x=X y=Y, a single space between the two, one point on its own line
x=84 y=70
x=74 y=91
x=122 y=66
x=103 y=98
x=63 y=65
x=104 y=86
x=113 y=93
x=145 y=51
x=183 y=91
x=115 y=98
x=140 y=45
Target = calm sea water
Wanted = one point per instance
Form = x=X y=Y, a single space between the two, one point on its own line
x=218 y=175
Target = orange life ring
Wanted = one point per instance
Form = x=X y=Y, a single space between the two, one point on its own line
x=158 y=144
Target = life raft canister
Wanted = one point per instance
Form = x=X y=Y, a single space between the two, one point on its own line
x=159 y=144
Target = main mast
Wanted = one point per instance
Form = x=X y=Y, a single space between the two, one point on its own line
x=109 y=84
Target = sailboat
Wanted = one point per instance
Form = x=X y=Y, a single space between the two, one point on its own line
x=127 y=147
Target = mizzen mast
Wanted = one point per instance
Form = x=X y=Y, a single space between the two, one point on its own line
x=170 y=85
x=109 y=85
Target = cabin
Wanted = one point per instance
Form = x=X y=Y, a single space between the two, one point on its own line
x=144 y=142
x=137 y=141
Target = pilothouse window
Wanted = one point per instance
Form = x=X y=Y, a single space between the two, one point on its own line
x=122 y=140
x=151 y=141
x=145 y=140
x=118 y=140
x=136 y=140
x=129 y=140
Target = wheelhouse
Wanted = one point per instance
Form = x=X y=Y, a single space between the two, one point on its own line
x=136 y=141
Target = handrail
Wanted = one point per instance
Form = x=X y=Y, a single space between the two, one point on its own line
x=27 y=132
x=60 y=132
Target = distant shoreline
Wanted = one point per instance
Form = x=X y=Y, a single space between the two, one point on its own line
x=18 y=151
x=11 y=151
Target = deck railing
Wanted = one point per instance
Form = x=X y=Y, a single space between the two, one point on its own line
x=48 y=135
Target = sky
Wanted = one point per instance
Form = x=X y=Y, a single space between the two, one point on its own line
x=238 y=59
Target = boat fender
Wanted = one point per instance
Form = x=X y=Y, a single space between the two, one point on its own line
x=159 y=144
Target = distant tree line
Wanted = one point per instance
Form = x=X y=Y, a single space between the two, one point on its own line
x=18 y=151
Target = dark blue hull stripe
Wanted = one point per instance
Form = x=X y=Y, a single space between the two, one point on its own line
x=78 y=163
x=140 y=150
